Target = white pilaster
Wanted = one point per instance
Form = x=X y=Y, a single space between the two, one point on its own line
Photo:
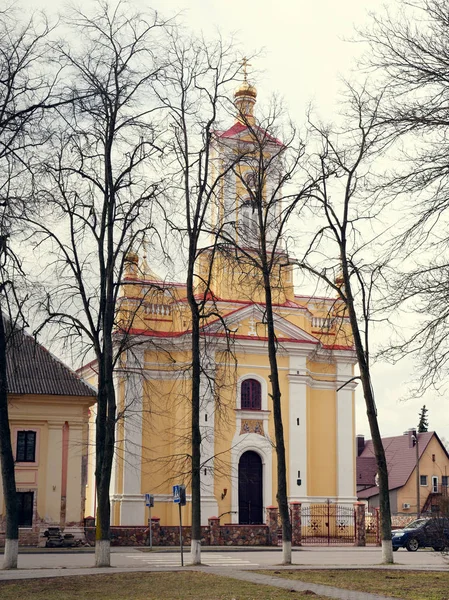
x=113 y=491
x=345 y=434
x=132 y=507
x=209 y=505
x=297 y=403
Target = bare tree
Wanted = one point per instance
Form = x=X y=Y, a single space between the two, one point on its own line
x=27 y=89
x=256 y=242
x=194 y=91
x=97 y=196
x=349 y=229
x=409 y=56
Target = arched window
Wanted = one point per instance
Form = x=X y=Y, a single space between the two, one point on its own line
x=251 y=395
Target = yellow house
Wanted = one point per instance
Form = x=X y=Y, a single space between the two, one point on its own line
x=316 y=361
x=417 y=472
x=48 y=412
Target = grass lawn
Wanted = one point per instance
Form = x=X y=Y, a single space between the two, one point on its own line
x=412 y=585
x=143 y=586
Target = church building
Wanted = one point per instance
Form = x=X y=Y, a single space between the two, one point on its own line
x=315 y=357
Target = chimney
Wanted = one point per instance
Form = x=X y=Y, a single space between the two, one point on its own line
x=412 y=436
x=360 y=444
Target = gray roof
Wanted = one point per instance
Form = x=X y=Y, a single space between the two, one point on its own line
x=32 y=369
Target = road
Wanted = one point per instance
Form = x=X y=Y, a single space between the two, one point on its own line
x=313 y=557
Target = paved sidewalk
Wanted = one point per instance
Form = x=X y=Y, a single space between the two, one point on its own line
x=298 y=586
x=48 y=564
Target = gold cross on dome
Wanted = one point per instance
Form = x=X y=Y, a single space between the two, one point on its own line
x=245 y=64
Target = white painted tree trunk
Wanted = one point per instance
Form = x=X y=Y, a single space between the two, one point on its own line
x=286 y=553
x=195 y=552
x=11 y=554
x=102 y=553
x=387 y=552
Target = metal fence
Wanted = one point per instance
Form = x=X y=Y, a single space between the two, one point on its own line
x=328 y=524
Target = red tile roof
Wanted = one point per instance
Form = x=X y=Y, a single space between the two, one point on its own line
x=239 y=128
x=401 y=461
x=32 y=369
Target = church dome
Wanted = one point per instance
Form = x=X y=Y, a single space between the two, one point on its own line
x=245 y=89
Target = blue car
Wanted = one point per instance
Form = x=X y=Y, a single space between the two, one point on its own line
x=423 y=533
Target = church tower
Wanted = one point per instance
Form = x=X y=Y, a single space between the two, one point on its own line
x=246 y=215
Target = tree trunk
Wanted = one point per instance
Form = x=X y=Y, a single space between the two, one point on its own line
x=371 y=411
x=105 y=440
x=7 y=463
x=196 y=432
x=281 y=494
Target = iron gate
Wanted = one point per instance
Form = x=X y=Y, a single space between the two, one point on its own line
x=372 y=522
x=328 y=523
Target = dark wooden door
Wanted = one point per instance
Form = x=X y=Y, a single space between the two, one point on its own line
x=25 y=507
x=250 y=489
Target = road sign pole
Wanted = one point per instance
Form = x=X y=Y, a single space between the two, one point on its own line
x=180 y=534
x=151 y=531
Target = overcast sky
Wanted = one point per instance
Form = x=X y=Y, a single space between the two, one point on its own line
x=306 y=51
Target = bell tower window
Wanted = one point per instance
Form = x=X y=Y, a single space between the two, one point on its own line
x=248 y=229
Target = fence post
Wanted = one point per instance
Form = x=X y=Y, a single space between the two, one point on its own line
x=272 y=522
x=377 y=512
x=360 y=525
x=295 y=508
x=214 y=531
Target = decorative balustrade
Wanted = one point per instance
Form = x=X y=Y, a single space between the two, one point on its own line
x=321 y=322
x=157 y=309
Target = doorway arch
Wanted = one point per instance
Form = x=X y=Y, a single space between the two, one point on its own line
x=250 y=489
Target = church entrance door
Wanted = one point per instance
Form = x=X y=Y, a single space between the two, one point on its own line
x=250 y=489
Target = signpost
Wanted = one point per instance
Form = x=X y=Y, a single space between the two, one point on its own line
x=179 y=498
x=149 y=501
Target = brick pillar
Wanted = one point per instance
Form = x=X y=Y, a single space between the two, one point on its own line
x=156 y=530
x=378 y=536
x=214 y=531
x=272 y=522
x=295 y=508
x=360 y=526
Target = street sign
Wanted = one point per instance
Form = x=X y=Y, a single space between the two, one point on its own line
x=179 y=494
x=149 y=500
x=179 y=498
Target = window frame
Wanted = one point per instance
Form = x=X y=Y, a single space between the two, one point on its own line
x=434 y=484
x=423 y=478
x=254 y=384
x=27 y=434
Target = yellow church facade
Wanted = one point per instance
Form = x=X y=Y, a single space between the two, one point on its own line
x=315 y=358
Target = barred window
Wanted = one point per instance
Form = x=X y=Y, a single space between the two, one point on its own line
x=251 y=394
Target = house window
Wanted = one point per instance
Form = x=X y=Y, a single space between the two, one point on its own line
x=25 y=508
x=251 y=395
x=423 y=479
x=445 y=481
x=434 y=485
x=26 y=446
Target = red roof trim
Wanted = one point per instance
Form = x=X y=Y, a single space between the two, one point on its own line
x=238 y=128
